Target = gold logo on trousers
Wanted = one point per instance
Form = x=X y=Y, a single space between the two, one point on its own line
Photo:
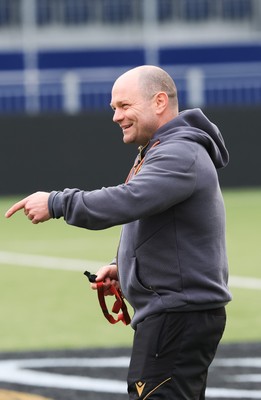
x=140 y=387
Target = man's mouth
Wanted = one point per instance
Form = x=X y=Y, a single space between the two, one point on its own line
x=125 y=127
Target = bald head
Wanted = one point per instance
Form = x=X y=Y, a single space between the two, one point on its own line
x=151 y=80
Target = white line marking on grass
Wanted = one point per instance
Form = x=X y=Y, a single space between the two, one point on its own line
x=75 y=264
x=231 y=393
x=247 y=362
x=15 y=371
x=245 y=282
x=217 y=393
x=26 y=372
x=38 y=261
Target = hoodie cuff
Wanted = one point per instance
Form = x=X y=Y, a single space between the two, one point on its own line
x=55 y=204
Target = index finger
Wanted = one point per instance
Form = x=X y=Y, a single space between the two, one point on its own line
x=16 y=207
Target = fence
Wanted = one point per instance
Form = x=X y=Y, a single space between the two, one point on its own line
x=82 y=90
x=39 y=72
x=77 y=12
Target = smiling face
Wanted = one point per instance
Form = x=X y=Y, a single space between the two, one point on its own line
x=134 y=111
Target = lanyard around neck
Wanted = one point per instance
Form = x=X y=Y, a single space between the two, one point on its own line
x=138 y=163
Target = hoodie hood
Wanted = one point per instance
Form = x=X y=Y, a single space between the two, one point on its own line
x=195 y=126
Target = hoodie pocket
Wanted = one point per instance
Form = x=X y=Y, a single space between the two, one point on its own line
x=158 y=266
x=137 y=292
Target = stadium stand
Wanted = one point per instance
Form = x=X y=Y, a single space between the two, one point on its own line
x=63 y=55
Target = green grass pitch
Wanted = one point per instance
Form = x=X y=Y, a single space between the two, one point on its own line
x=50 y=309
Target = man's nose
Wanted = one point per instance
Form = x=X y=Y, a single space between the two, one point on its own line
x=117 y=116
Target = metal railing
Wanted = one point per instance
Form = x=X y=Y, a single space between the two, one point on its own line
x=31 y=24
x=90 y=89
x=77 y=12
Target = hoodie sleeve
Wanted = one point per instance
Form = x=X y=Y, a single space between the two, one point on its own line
x=166 y=178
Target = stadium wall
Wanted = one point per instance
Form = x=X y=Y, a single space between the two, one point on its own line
x=48 y=152
x=71 y=58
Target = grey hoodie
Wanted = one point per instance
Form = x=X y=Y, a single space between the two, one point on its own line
x=172 y=252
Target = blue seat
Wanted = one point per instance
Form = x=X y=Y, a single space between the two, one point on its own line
x=236 y=9
x=165 y=10
x=5 y=13
x=43 y=12
x=195 y=10
x=118 y=11
x=76 y=12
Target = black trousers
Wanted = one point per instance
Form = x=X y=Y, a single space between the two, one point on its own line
x=172 y=353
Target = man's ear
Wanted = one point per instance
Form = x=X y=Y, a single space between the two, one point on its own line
x=162 y=101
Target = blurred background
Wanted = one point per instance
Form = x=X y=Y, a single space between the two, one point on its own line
x=59 y=59
x=63 y=55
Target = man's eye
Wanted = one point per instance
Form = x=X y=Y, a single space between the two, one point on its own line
x=125 y=106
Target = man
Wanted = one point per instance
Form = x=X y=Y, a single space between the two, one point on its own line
x=171 y=263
